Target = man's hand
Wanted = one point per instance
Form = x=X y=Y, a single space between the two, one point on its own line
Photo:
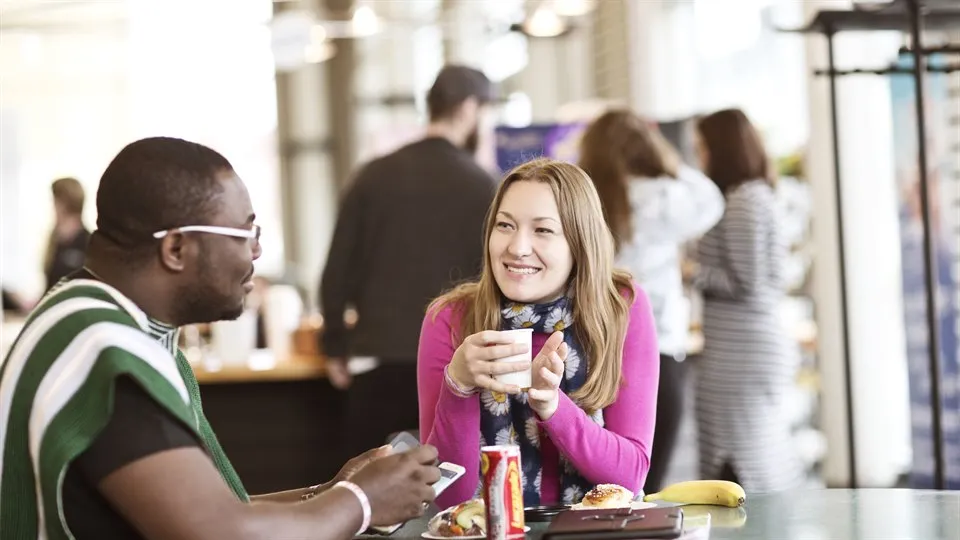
x=398 y=485
x=351 y=467
x=337 y=372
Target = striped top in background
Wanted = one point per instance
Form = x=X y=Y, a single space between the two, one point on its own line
x=56 y=387
x=748 y=361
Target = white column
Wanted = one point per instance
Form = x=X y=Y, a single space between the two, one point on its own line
x=203 y=70
x=871 y=243
x=465 y=40
x=661 y=58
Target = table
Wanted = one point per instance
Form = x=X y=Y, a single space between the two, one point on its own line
x=830 y=514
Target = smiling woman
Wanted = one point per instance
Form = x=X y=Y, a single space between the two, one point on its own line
x=587 y=418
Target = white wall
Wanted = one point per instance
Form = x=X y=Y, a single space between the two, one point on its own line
x=72 y=99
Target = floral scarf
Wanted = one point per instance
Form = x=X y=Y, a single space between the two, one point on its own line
x=508 y=420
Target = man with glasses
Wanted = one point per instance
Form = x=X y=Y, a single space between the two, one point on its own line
x=102 y=433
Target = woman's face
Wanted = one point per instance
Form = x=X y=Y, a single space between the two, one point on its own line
x=529 y=253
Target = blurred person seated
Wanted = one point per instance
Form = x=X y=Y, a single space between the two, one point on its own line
x=588 y=416
x=103 y=431
x=654 y=204
x=67 y=245
x=409 y=228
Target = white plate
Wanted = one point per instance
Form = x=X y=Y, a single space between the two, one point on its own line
x=429 y=536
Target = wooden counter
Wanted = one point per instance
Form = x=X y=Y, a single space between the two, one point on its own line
x=294 y=368
x=280 y=422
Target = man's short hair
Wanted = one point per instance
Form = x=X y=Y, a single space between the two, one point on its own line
x=155 y=184
x=454 y=85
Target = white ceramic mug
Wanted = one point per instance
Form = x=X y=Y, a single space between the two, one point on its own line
x=522 y=379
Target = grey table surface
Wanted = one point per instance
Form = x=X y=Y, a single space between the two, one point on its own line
x=828 y=514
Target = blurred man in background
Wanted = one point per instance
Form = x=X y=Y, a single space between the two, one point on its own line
x=410 y=226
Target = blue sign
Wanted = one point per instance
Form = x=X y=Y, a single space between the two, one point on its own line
x=914 y=277
x=519 y=145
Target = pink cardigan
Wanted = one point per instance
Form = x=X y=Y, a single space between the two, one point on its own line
x=617 y=453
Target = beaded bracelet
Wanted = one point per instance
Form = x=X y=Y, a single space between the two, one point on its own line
x=458 y=390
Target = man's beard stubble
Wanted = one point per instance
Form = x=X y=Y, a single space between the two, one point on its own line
x=201 y=302
x=472 y=142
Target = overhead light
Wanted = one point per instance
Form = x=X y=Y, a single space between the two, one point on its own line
x=544 y=22
x=316 y=53
x=573 y=8
x=364 y=22
x=320 y=49
x=318 y=34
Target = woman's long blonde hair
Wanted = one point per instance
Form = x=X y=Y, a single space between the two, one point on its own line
x=602 y=294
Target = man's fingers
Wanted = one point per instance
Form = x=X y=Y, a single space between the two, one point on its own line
x=425 y=455
x=430 y=475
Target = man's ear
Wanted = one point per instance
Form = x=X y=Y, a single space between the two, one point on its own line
x=468 y=110
x=174 y=250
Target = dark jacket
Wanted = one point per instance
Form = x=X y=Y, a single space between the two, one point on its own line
x=410 y=227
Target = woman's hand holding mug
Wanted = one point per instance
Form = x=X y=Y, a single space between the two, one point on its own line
x=548 y=367
x=475 y=363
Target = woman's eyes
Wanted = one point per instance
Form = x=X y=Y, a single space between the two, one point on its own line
x=503 y=225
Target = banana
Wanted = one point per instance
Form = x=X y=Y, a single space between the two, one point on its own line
x=713 y=492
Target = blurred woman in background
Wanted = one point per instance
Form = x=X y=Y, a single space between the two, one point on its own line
x=67 y=245
x=748 y=361
x=653 y=204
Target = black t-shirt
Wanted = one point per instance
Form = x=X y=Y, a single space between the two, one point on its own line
x=138 y=427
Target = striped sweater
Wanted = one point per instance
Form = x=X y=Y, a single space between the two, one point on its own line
x=56 y=394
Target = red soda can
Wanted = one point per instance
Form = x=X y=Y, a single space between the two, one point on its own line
x=502 y=491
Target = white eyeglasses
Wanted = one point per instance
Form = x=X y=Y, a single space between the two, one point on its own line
x=252 y=233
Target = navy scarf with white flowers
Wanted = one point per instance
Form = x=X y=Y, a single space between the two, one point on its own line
x=509 y=420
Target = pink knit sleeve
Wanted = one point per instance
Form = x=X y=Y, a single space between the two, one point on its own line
x=447 y=421
x=618 y=452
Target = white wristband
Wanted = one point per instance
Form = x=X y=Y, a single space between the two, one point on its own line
x=364 y=503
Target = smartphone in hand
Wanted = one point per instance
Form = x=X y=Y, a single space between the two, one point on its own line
x=449 y=473
x=404 y=441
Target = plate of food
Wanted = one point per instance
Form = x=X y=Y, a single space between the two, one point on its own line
x=465 y=521
x=610 y=496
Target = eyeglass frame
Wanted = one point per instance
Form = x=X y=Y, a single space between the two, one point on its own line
x=252 y=233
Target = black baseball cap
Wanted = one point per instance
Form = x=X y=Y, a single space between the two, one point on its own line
x=454 y=85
